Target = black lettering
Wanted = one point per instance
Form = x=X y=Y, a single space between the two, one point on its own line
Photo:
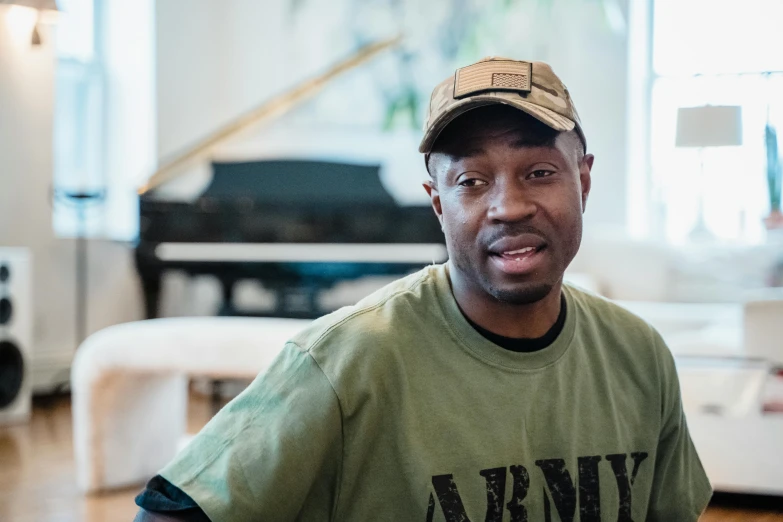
x=638 y=457
x=560 y=486
x=431 y=509
x=496 y=493
x=448 y=496
x=547 y=508
x=589 y=491
x=519 y=487
x=624 y=483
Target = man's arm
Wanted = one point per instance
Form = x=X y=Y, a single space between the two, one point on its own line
x=270 y=454
x=681 y=489
x=162 y=498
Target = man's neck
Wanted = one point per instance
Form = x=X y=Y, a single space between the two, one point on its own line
x=531 y=320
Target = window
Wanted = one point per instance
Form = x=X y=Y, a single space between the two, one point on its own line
x=713 y=53
x=104 y=123
x=78 y=117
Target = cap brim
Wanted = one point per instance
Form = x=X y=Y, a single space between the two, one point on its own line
x=542 y=114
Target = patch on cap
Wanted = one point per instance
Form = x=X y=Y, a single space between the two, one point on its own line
x=493 y=75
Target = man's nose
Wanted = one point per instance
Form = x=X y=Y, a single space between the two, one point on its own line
x=510 y=201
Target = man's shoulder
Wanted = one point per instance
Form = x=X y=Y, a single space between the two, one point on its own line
x=620 y=327
x=627 y=346
x=602 y=309
x=375 y=315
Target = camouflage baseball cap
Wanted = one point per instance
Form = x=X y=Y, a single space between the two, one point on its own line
x=531 y=87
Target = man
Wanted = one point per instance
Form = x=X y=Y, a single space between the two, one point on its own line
x=483 y=389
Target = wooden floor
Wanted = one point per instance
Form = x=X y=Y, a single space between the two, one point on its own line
x=37 y=482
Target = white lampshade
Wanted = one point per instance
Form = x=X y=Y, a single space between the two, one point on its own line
x=43 y=5
x=709 y=126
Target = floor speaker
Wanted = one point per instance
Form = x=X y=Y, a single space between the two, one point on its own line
x=15 y=335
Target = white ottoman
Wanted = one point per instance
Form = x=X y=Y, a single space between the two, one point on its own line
x=129 y=387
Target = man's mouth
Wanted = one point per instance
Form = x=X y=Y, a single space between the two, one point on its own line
x=519 y=262
x=521 y=253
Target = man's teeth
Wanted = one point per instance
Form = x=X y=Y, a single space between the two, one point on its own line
x=520 y=251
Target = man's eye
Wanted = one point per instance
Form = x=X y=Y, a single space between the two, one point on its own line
x=541 y=173
x=472 y=182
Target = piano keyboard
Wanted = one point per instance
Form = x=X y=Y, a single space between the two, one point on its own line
x=303 y=252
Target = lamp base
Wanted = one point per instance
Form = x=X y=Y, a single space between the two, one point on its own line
x=700 y=233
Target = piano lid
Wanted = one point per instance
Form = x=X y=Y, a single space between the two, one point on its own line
x=299 y=181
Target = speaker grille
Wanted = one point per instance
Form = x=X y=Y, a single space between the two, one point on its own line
x=6 y=310
x=11 y=372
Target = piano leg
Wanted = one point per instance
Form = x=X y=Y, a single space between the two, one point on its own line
x=150 y=285
x=298 y=302
x=227 y=306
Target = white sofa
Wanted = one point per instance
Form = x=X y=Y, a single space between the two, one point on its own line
x=653 y=271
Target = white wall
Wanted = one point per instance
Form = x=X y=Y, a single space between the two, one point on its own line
x=215 y=60
x=594 y=65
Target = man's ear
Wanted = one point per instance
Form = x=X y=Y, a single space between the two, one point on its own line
x=585 y=167
x=432 y=191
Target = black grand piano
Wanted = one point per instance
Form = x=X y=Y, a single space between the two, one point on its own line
x=296 y=226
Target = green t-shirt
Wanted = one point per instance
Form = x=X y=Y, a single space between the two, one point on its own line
x=397 y=409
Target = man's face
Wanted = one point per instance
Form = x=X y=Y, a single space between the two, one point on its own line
x=511 y=213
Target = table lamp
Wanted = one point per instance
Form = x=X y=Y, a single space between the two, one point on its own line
x=703 y=127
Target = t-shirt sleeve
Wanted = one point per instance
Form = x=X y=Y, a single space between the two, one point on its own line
x=273 y=453
x=681 y=489
x=161 y=496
